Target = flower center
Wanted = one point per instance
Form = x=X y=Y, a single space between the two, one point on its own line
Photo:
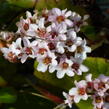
x=65 y=65
x=28 y=51
x=75 y=66
x=60 y=19
x=54 y=34
x=69 y=43
x=81 y=91
x=79 y=23
x=51 y=46
x=47 y=60
x=26 y=26
x=79 y=49
x=101 y=85
x=42 y=51
x=98 y=99
x=41 y=32
x=10 y=55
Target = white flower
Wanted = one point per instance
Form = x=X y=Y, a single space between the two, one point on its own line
x=41 y=49
x=97 y=102
x=78 y=67
x=72 y=41
x=59 y=16
x=78 y=21
x=46 y=61
x=23 y=26
x=63 y=68
x=69 y=99
x=82 y=50
x=27 y=50
x=57 y=31
x=79 y=92
x=16 y=46
x=7 y=36
x=101 y=84
x=13 y=51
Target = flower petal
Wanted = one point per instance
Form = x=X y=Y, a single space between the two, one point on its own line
x=42 y=67
x=60 y=74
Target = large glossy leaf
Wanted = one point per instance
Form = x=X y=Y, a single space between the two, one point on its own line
x=85 y=104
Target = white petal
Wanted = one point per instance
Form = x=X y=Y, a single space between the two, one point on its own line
x=84 y=97
x=18 y=42
x=68 y=14
x=56 y=11
x=34 y=43
x=73 y=91
x=28 y=14
x=70 y=73
x=26 y=42
x=63 y=11
x=54 y=63
x=84 y=55
x=60 y=48
x=83 y=68
x=24 y=58
x=69 y=22
x=72 y=48
x=87 y=49
x=65 y=94
x=72 y=34
x=62 y=37
x=82 y=83
x=42 y=67
x=79 y=72
x=41 y=23
x=52 y=69
x=62 y=28
x=89 y=77
x=78 y=41
x=60 y=74
x=77 y=99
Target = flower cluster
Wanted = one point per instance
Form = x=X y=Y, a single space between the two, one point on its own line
x=50 y=37
x=97 y=90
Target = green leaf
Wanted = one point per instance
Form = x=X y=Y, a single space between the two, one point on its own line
x=87 y=104
x=97 y=66
x=7 y=95
x=22 y=3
